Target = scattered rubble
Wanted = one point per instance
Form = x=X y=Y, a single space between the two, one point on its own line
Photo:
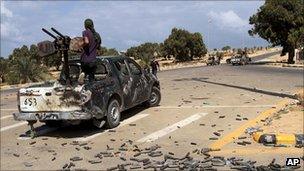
x=16 y=155
x=169 y=161
x=217 y=134
x=252 y=130
x=76 y=158
x=222 y=116
x=27 y=164
x=33 y=142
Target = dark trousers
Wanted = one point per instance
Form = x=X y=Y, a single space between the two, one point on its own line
x=154 y=72
x=89 y=69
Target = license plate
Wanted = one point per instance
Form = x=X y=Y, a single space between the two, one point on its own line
x=30 y=102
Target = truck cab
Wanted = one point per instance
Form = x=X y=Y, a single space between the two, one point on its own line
x=119 y=84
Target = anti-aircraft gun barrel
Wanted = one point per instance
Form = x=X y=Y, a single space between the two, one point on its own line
x=61 y=44
x=50 y=34
x=57 y=32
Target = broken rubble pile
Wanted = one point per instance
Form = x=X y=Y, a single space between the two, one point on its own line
x=155 y=158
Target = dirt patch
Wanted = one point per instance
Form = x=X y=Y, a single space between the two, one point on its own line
x=288 y=121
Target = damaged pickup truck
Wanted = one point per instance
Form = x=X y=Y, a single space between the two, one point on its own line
x=120 y=84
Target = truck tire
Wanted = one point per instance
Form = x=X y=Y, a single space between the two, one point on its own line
x=113 y=114
x=154 y=98
x=51 y=123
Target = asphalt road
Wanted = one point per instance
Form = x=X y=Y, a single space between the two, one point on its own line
x=264 y=56
x=196 y=102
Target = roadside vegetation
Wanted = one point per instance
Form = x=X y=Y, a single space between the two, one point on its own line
x=286 y=28
x=24 y=65
x=180 y=45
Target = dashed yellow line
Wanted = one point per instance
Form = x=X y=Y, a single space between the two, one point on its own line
x=239 y=131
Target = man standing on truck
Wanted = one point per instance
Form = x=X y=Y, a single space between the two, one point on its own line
x=91 y=42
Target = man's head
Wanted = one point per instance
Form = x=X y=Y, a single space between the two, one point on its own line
x=88 y=24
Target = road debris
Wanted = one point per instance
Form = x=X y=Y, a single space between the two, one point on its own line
x=27 y=164
x=87 y=148
x=217 y=134
x=33 y=142
x=16 y=155
x=76 y=158
x=193 y=143
x=252 y=130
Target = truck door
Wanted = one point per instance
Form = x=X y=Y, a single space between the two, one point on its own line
x=139 y=83
x=125 y=81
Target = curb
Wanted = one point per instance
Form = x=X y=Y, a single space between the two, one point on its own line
x=293 y=66
x=286 y=65
x=279 y=139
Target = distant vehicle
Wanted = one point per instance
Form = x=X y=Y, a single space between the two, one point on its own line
x=228 y=61
x=120 y=84
x=240 y=60
x=213 y=61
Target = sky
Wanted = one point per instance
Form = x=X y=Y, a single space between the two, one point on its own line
x=123 y=24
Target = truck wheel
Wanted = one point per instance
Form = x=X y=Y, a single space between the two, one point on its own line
x=155 y=97
x=113 y=115
x=52 y=123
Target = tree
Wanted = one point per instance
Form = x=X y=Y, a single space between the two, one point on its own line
x=34 y=54
x=54 y=60
x=197 y=46
x=23 y=67
x=103 y=51
x=111 y=52
x=183 y=45
x=220 y=55
x=225 y=48
x=176 y=44
x=280 y=23
x=147 y=50
x=3 y=68
x=132 y=52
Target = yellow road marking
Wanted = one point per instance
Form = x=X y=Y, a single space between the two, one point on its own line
x=239 y=131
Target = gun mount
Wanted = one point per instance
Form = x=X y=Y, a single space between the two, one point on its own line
x=60 y=45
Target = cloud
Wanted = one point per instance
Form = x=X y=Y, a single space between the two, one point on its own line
x=228 y=20
x=132 y=42
x=9 y=30
x=123 y=24
x=4 y=11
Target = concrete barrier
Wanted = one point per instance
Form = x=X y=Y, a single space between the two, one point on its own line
x=279 y=139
